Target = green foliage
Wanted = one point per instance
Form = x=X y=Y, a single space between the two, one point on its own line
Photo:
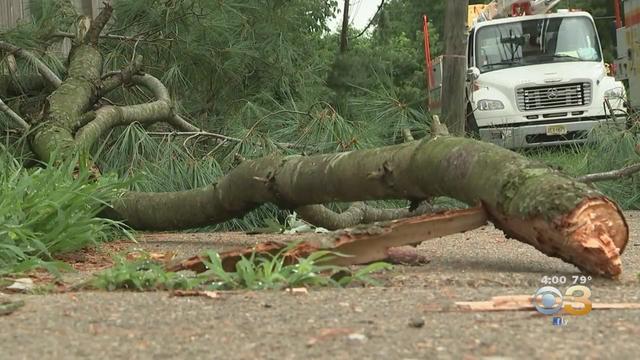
x=614 y=149
x=254 y=273
x=274 y=272
x=48 y=211
x=609 y=148
x=217 y=53
x=268 y=73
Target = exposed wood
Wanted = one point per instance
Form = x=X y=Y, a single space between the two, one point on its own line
x=360 y=245
x=366 y=244
x=455 y=64
x=592 y=234
x=525 y=303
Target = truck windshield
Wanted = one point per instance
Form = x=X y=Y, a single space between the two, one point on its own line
x=537 y=41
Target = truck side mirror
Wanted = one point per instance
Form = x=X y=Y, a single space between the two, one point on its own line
x=473 y=73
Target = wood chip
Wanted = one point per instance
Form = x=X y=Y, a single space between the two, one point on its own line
x=21 y=285
x=297 y=291
x=524 y=303
x=209 y=294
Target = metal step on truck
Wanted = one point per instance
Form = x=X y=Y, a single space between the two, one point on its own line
x=535 y=76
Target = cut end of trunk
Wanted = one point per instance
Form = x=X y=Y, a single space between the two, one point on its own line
x=598 y=227
x=592 y=236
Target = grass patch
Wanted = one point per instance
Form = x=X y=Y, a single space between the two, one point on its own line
x=609 y=149
x=254 y=273
x=49 y=211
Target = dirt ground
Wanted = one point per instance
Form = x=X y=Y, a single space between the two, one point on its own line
x=401 y=320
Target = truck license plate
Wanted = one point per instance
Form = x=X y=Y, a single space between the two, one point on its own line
x=556 y=130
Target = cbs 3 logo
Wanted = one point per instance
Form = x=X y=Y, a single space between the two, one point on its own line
x=548 y=300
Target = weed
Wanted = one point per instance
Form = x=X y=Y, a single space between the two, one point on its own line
x=48 y=211
x=140 y=275
x=254 y=273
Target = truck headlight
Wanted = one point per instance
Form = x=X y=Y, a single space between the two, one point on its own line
x=490 y=105
x=615 y=93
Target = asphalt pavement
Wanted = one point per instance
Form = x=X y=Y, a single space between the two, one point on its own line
x=410 y=317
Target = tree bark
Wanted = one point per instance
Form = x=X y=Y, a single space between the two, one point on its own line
x=344 y=32
x=455 y=65
x=527 y=200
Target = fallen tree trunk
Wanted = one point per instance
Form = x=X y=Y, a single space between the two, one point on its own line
x=527 y=200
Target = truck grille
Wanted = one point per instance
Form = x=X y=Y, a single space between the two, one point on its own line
x=549 y=97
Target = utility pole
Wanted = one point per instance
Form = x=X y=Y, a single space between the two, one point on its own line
x=345 y=28
x=455 y=66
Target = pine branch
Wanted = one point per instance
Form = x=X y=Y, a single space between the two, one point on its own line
x=610 y=175
x=42 y=68
x=194 y=134
x=109 y=117
x=357 y=213
x=13 y=116
x=62 y=34
x=98 y=24
x=115 y=79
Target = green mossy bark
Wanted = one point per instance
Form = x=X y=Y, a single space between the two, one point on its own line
x=67 y=104
x=465 y=169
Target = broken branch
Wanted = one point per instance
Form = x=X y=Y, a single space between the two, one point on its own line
x=108 y=117
x=13 y=116
x=610 y=175
x=357 y=213
x=98 y=24
x=115 y=79
x=61 y=34
x=360 y=245
x=43 y=69
x=194 y=133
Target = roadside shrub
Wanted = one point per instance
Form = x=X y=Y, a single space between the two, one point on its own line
x=50 y=210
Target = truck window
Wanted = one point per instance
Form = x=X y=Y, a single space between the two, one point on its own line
x=539 y=41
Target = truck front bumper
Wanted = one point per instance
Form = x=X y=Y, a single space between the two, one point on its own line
x=529 y=136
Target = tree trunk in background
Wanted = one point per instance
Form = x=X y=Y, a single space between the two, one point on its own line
x=455 y=65
x=344 y=32
x=527 y=200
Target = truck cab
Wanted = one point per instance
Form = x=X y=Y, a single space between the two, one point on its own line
x=539 y=80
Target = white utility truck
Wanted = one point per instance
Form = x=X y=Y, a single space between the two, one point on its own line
x=628 y=59
x=535 y=77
